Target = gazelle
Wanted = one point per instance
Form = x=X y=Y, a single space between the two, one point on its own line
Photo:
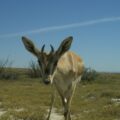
x=63 y=68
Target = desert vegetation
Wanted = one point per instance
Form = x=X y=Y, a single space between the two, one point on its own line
x=6 y=71
x=34 y=70
x=27 y=98
x=89 y=75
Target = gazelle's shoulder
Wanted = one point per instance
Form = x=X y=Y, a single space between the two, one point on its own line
x=74 y=55
x=70 y=59
x=72 y=63
x=78 y=62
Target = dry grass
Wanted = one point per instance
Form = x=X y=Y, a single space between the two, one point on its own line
x=29 y=99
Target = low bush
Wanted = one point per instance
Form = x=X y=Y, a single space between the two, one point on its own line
x=9 y=76
x=6 y=70
x=89 y=75
x=34 y=70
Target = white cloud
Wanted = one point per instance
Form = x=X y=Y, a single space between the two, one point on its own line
x=74 y=25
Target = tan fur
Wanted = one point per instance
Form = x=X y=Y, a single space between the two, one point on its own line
x=70 y=67
x=68 y=73
x=71 y=63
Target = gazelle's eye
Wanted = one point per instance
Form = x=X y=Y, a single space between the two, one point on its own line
x=47 y=71
x=39 y=63
x=55 y=63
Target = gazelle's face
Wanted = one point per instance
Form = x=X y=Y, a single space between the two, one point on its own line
x=47 y=62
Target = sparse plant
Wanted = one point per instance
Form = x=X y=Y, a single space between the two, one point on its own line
x=89 y=75
x=4 y=64
x=5 y=70
x=34 y=70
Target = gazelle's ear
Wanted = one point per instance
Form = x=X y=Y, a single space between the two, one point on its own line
x=65 y=45
x=29 y=45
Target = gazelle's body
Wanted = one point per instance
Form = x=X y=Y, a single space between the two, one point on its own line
x=68 y=73
x=63 y=68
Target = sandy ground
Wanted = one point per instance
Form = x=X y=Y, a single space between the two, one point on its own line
x=55 y=115
x=2 y=112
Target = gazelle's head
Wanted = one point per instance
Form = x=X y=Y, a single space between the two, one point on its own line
x=48 y=62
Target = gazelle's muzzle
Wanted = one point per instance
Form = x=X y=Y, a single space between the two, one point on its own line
x=48 y=80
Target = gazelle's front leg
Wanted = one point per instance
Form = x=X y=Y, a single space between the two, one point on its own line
x=66 y=109
x=69 y=95
x=51 y=105
x=67 y=101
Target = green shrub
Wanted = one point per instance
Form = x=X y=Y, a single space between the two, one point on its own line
x=89 y=75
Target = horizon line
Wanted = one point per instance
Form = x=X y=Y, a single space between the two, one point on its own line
x=59 y=27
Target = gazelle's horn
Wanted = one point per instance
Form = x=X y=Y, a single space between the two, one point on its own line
x=42 y=50
x=52 y=49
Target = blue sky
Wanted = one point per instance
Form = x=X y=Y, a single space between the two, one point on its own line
x=94 y=24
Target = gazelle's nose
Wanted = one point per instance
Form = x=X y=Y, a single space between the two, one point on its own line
x=47 y=82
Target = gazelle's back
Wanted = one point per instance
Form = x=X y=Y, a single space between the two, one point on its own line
x=70 y=63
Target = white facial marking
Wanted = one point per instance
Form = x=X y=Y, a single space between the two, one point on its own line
x=65 y=100
x=50 y=77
